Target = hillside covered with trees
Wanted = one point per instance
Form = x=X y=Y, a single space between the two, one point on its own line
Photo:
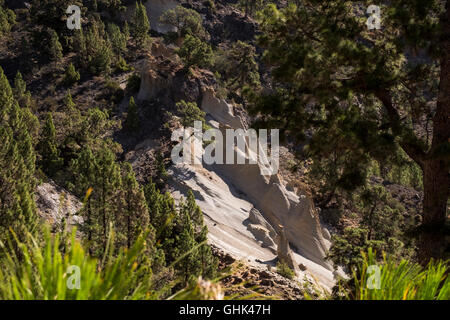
x=90 y=101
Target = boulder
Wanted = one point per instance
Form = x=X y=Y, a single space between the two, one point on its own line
x=262 y=234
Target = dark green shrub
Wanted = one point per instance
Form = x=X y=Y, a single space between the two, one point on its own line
x=133 y=83
x=71 y=76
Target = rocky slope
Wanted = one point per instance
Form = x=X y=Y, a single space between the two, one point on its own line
x=244 y=210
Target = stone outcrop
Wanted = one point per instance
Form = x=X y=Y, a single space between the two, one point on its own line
x=242 y=208
x=263 y=235
x=225 y=23
x=57 y=205
x=163 y=78
x=269 y=195
x=220 y=109
x=284 y=252
x=156 y=77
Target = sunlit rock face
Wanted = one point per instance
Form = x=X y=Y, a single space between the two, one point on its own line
x=57 y=206
x=243 y=209
x=246 y=211
x=295 y=212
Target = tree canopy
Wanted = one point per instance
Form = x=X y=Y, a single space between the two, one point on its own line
x=370 y=91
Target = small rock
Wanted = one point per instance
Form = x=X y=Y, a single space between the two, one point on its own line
x=280 y=282
x=266 y=282
x=228 y=259
x=237 y=280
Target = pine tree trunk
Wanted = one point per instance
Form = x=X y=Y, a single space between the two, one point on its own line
x=436 y=166
x=436 y=183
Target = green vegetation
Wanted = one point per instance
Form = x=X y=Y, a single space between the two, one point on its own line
x=118 y=40
x=189 y=112
x=131 y=122
x=47 y=147
x=125 y=276
x=195 y=52
x=250 y=7
x=7 y=19
x=284 y=270
x=122 y=66
x=55 y=48
x=95 y=50
x=133 y=83
x=140 y=25
x=42 y=273
x=366 y=112
x=360 y=89
x=238 y=68
x=185 y=21
x=381 y=227
x=71 y=76
x=400 y=280
x=22 y=96
x=18 y=128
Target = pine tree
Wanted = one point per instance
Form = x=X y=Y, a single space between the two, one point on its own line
x=7 y=19
x=192 y=243
x=20 y=87
x=186 y=252
x=98 y=181
x=135 y=207
x=106 y=190
x=17 y=165
x=132 y=122
x=95 y=49
x=243 y=69
x=126 y=31
x=162 y=211
x=195 y=52
x=48 y=148
x=22 y=96
x=50 y=15
x=186 y=21
x=68 y=101
x=118 y=40
x=208 y=264
x=84 y=169
x=140 y=25
x=72 y=120
x=55 y=48
x=71 y=76
x=6 y=96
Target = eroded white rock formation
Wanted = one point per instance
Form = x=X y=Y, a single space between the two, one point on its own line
x=244 y=209
x=279 y=206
